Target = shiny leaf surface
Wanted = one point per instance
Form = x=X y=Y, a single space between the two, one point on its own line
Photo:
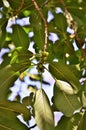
x=63 y=72
x=43 y=113
x=23 y=41
x=66 y=103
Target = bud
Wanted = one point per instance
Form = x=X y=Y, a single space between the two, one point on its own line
x=6 y=3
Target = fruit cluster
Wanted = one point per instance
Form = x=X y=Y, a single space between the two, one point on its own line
x=42 y=61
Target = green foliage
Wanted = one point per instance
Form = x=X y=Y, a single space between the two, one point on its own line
x=43 y=112
x=9 y=121
x=75 y=122
x=16 y=36
x=66 y=103
x=66 y=58
x=62 y=72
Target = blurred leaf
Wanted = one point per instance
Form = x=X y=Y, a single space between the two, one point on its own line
x=20 y=55
x=43 y=113
x=84 y=99
x=9 y=73
x=9 y=120
x=16 y=107
x=6 y=60
x=77 y=9
x=65 y=87
x=82 y=123
x=1 y=3
x=63 y=72
x=7 y=78
x=60 y=23
x=19 y=37
x=38 y=29
x=62 y=47
x=76 y=122
x=66 y=103
x=27 y=5
x=2 y=35
x=27 y=101
x=22 y=61
x=3 y=24
x=15 y=4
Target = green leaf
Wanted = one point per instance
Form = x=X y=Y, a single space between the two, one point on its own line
x=22 y=62
x=62 y=124
x=43 y=113
x=84 y=99
x=82 y=123
x=76 y=122
x=60 y=23
x=77 y=9
x=63 y=72
x=3 y=24
x=19 y=37
x=66 y=103
x=6 y=60
x=2 y=35
x=9 y=120
x=7 y=78
x=28 y=100
x=65 y=87
x=9 y=74
x=70 y=123
x=16 y=107
x=28 y=5
x=1 y=3
x=38 y=28
x=21 y=56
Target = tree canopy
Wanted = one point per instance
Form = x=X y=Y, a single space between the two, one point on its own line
x=57 y=29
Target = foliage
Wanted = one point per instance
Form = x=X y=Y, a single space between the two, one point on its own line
x=66 y=58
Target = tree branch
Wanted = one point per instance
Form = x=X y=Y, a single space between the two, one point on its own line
x=45 y=23
x=20 y=7
x=72 y=24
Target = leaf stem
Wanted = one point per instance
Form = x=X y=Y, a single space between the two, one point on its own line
x=41 y=80
x=45 y=24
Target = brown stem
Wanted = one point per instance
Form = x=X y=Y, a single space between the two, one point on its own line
x=45 y=3
x=20 y=7
x=71 y=23
x=45 y=23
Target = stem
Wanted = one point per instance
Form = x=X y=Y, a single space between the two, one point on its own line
x=41 y=80
x=45 y=23
x=72 y=24
x=20 y=7
x=46 y=2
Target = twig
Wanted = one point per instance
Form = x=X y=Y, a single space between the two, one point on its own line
x=45 y=23
x=20 y=7
x=69 y=17
x=45 y=3
x=73 y=26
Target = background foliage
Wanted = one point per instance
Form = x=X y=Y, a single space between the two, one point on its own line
x=65 y=56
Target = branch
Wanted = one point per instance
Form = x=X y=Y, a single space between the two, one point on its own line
x=45 y=3
x=72 y=24
x=45 y=23
x=20 y=7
